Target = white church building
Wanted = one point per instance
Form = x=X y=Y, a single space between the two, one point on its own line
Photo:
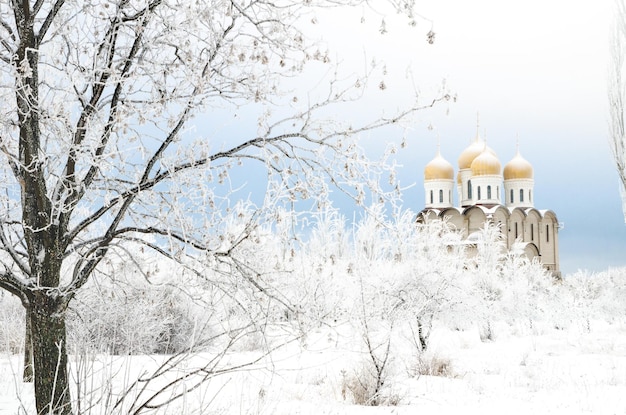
x=486 y=192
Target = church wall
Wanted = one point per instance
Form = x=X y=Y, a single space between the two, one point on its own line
x=533 y=220
x=516 y=226
x=465 y=198
x=430 y=215
x=501 y=218
x=531 y=251
x=438 y=193
x=454 y=218
x=522 y=193
x=481 y=192
x=549 y=241
x=475 y=219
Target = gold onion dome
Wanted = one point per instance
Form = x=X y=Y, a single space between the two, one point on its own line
x=470 y=153
x=439 y=169
x=486 y=163
x=518 y=168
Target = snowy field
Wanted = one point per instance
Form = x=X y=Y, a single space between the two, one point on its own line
x=396 y=320
x=540 y=370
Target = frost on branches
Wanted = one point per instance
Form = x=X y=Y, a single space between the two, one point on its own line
x=381 y=285
x=98 y=101
x=616 y=89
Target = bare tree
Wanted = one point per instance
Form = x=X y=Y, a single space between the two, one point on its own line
x=95 y=103
x=617 y=95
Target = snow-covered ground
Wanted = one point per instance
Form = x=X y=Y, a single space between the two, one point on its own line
x=506 y=336
x=540 y=370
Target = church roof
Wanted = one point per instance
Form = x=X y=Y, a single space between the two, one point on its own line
x=470 y=153
x=486 y=163
x=439 y=169
x=518 y=168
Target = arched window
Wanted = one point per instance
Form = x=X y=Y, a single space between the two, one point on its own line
x=547 y=233
x=488 y=192
x=511 y=195
x=432 y=199
x=516 y=231
x=469 y=189
x=440 y=195
x=521 y=195
x=530 y=196
x=532 y=232
x=478 y=192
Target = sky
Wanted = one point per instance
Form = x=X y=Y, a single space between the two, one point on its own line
x=534 y=72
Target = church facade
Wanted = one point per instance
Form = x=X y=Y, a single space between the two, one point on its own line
x=488 y=193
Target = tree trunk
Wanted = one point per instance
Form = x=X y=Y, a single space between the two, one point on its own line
x=423 y=331
x=52 y=395
x=27 y=376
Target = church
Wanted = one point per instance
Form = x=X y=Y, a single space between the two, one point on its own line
x=488 y=193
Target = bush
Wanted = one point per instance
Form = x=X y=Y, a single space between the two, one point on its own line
x=131 y=320
x=364 y=388
x=433 y=365
x=11 y=324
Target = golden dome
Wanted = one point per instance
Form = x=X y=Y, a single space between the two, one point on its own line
x=439 y=169
x=486 y=163
x=518 y=168
x=470 y=153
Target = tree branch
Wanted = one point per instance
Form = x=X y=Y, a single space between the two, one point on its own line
x=15 y=256
x=49 y=18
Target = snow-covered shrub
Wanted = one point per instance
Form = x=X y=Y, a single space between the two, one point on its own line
x=144 y=303
x=363 y=386
x=588 y=296
x=11 y=324
x=485 y=279
x=427 y=278
x=130 y=307
x=132 y=320
x=529 y=291
x=319 y=274
x=500 y=284
x=401 y=278
x=415 y=271
x=432 y=364
x=251 y=285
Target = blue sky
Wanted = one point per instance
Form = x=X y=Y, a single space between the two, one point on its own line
x=534 y=70
x=537 y=70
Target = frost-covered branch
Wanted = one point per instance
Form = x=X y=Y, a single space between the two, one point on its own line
x=617 y=96
x=113 y=133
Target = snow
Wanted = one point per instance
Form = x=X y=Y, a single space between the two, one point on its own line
x=540 y=370
x=506 y=337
